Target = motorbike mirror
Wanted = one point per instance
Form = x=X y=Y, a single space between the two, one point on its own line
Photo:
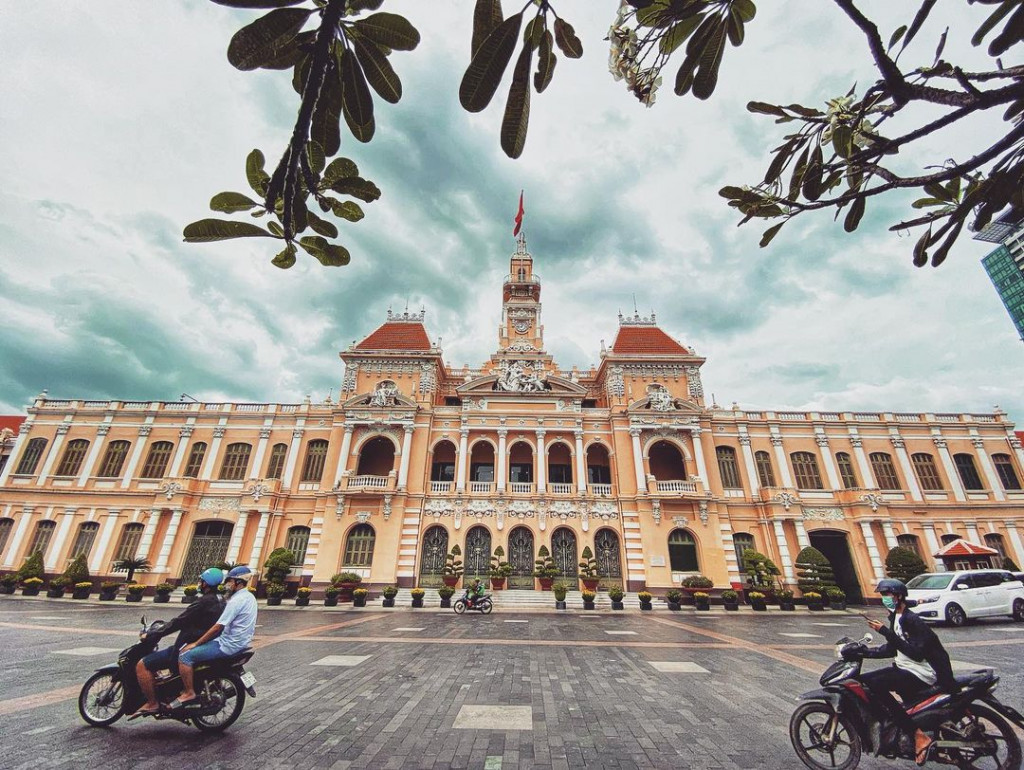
x=143 y=620
x=868 y=638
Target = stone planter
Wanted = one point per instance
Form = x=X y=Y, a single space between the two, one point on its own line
x=618 y=605
x=446 y=601
x=417 y=601
x=108 y=596
x=8 y=589
x=450 y=580
x=345 y=591
x=273 y=601
x=54 y=593
x=645 y=606
x=301 y=601
x=758 y=605
x=331 y=601
x=731 y=606
x=189 y=599
x=703 y=605
x=133 y=598
x=837 y=604
x=674 y=606
x=786 y=605
x=815 y=606
x=161 y=598
x=546 y=583
x=388 y=601
x=588 y=605
x=80 y=593
x=30 y=591
x=497 y=583
x=590 y=584
x=559 y=605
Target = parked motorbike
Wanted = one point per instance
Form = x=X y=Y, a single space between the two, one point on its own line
x=839 y=721
x=221 y=685
x=483 y=605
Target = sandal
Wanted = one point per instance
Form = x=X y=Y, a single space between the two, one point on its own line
x=178 y=703
x=145 y=712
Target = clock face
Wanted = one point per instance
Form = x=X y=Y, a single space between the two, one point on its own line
x=521 y=327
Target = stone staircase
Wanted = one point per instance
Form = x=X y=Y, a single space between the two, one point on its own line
x=516 y=601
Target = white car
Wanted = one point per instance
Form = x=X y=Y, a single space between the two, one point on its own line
x=956 y=597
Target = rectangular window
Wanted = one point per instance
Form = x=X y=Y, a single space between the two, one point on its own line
x=156 y=463
x=968 y=472
x=442 y=472
x=805 y=471
x=884 y=470
x=113 y=460
x=316 y=456
x=521 y=473
x=599 y=474
x=846 y=472
x=927 y=473
x=84 y=540
x=236 y=461
x=195 y=461
x=131 y=536
x=560 y=474
x=41 y=538
x=765 y=472
x=481 y=472
x=1006 y=472
x=275 y=466
x=727 y=467
x=33 y=453
x=71 y=463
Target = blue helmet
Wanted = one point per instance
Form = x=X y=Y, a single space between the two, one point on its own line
x=213 y=577
x=892 y=586
x=241 y=572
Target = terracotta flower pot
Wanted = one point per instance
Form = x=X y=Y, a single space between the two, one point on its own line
x=301 y=601
x=450 y=580
x=497 y=583
x=590 y=584
x=331 y=601
x=273 y=601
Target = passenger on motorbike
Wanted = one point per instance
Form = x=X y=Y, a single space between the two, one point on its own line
x=921 y=662
x=231 y=634
x=474 y=592
x=190 y=625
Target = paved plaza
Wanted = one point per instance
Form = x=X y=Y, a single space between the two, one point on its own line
x=406 y=688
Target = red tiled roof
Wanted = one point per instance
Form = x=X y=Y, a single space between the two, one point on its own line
x=397 y=336
x=962 y=547
x=646 y=339
x=11 y=421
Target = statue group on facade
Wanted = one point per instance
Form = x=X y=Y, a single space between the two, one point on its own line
x=515 y=379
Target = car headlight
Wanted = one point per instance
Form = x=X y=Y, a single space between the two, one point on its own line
x=928 y=600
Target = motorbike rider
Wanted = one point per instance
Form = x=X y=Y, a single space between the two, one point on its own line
x=474 y=592
x=231 y=634
x=190 y=625
x=920 y=662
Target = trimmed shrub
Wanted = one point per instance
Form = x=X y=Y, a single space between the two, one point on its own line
x=278 y=564
x=78 y=570
x=761 y=571
x=813 y=571
x=903 y=564
x=32 y=568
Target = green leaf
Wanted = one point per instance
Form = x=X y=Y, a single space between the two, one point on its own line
x=732 y=192
x=919 y=19
x=221 y=230
x=292 y=52
x=258 y=43
x=254 y=172
x=321 y=226
x=517 y=109
x=765 y=109
x=565 y=37
x=770 y=233
x=349 y=210
x=357 y=187
x=925 y=203
x=286 y=258
x=899 y=33
x=546 y=61
x=275 y=228
x=706 y=77
x=257 y=3
x=936 y=190
x=678 y=35
x=339 y=168
x=534 y=30
x=812 y=177
x=486 y=17
x=655 y=14
x=325 y=129
x=231 y=202
x=842 y=141
x=355 y=6
x=328 y=254
x=735 y=30
x=745 y=9
x=378 y=70
x=487 y=67
x=356 y=102
x=853 y=216
x=987 y=25
x=796 y=180
x=921 y=249
x=389 y=29
x=315 y=155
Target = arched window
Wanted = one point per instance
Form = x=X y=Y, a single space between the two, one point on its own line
x=742 y=541
x=666 y=462
x=128 y=545
x=443 y=467
x=846 y=472
x=297 y=543
x=275 y=465
x=195 y=460
x=1006 y=472
x=559 y=464
x=765 y=472
x=682 y=551
x=6 y=525
x=520 y=463
x=910 y=542
x=599 y=469
x=33 y=453
x=376 y=457
x=927 y=473
x=113 y=460
x=727 y=467
x=84 y=539
x=41 y=537
x=995 y=541
x=71 y=462
x=949 y=538
x=236 y=461
x=156 y=463
x=968 y=472
x=359 y=546
x=316 y=455
x=884 y=470
x=805 y=469
x=481 y=462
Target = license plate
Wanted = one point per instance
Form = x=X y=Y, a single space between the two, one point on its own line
x=248 y=679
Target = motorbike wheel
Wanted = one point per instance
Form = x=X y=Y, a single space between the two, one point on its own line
x=955 y=615
x=486 y=606
x=1004 y=751
x=101 y=701
x=459 y=607
x=1018 y=610
x=809 y=728
x=225 y=691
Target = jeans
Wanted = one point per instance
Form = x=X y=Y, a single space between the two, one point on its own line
x=204 y=653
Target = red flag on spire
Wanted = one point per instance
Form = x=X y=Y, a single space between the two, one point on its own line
x=519 y=215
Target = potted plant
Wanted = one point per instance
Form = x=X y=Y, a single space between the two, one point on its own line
x=32 y=568
x=588 y=570
x=131 y=565
x=757 y=601
x=55 y=588
x=560 y=590
x=813 y=571
x=30 y=586
x=694 y=583
x=445 y=592
x=814 y=603
x=347 y=582
x=786 y=600
x=762 y=573
x=615 y=594
x=544 y=568
x=275 y=592
x=359 y=597
x=452 y=570
x=331 y=596
x=702 y=600
x=81 y=590
x=674 y=597
x=417 y=597
x=390 y=592
x=278 y=565
x=500 y=569
x=836 y=597
x=8 y=583
x=302 y=596
x=588 y=599
x=645 y=598
x=135 y=591
x=163 y=593
x=108 y=590
x=731 y=600
x=191 y=594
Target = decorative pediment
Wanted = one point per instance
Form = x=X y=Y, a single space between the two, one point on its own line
x=658 y=404
x=384 y=396
x=490 y=386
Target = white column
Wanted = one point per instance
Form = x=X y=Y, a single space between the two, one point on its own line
x=729 y=547
x=801 y=534
x=313 y=546
x=951 y=473
x=346 y=447
x=890 y=536
x=638 y=460
x=1011 y=530
x=179 y=453
x=869 y=539
x=293 y=458
x=787 y=562
x=502 y=474
x=256 y=557
x=990 y=472
x=748 y=461
x=94 y=453
x=908 y=471
x=581 y=464
x=15 y=456
x=972 y=533
x=698 y=456
x=403 y=468
x=19 y=536
x=100 y=549
x=782 y=461
x=462 y=466
x=867 y=477
x=146 y=541
x=211 y=455
x=933 y=546
x=1015 y=445
x=236 y=537
x=826 y=458
x=165 y=549
x=57 y=544
x=542 y=462
x=133 y=460
x=261 y=450
x=51 y=456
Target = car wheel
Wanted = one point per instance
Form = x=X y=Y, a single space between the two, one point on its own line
x=955 y=615
x=1018 y=610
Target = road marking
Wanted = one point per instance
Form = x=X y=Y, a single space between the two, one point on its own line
x=341 y=660
x=677 y=667
x=802 y=636
x=835 y=625
x=407 y=629
x=86 y=651
x=492 y=763
x=620 y=633
x=494 y=718
x=14 y=705
x=515 y=621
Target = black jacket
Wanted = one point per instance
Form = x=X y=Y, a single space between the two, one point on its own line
x=921 y=644
x=196 y=620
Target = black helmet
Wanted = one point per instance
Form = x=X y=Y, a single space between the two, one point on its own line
x=892 y=586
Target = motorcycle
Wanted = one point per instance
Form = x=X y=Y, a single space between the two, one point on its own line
x=483 y=605
x=221 y=685
x=840 y=721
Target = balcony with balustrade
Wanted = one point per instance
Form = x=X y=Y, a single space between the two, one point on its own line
x=561 y=489
x=371 y=483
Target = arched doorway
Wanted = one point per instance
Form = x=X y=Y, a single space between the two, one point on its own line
x=563 y=551
x=435 y=548
x=520 y=558
x=209 y=547
x=477 y=555
x=835 y=545
x=376 y=457
x=609 y=558
x=666 y=462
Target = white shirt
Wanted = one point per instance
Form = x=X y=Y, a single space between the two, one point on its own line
x=921 y=669
x=239 y=621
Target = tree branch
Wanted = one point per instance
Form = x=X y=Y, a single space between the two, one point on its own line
x=898 y=85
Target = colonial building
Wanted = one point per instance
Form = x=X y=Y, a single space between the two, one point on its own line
x=627 y=458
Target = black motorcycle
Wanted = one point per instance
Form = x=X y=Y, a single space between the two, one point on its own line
x=482 y=604
x=221 y=685
x=841 y=720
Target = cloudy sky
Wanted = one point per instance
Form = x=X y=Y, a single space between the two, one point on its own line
x=121 y=119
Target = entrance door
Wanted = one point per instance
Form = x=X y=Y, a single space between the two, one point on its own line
x=834 y=545
x=609 y=561
x=563 y=550
x=478 y=555
x=435 y=548
x=208 y=548
x=520 y=558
